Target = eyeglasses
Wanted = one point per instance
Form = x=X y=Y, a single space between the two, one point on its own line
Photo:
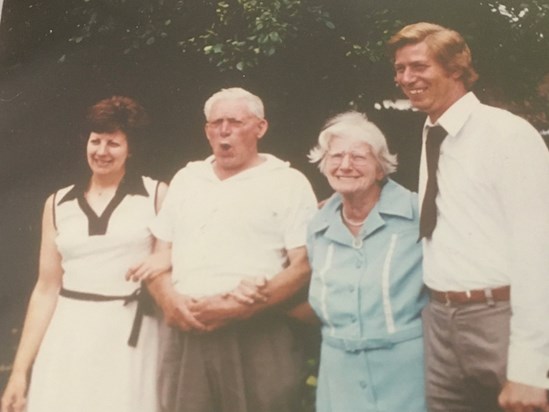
x=358 y=159
x=230 y=121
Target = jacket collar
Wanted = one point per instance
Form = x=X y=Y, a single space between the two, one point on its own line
x=395 y=200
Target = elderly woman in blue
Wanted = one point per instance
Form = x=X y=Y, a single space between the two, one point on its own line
x=366 y=286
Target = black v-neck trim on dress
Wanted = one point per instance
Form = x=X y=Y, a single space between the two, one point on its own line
x=131 y=184
x=97 y=225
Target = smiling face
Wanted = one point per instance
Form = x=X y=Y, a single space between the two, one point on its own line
x=107 y=153
x=351 y=167
x=428 y=85
x=233 y=132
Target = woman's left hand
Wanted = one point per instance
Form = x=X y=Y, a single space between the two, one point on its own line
x=154 y=265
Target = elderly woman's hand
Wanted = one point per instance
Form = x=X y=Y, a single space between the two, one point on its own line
x=250 y=290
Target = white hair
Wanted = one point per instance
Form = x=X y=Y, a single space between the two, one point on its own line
x=254 y=103
x=354 y=126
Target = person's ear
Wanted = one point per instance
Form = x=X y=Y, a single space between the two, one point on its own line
x=262 y=127
x=457 y=74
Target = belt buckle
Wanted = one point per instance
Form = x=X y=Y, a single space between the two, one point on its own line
x=447 y=298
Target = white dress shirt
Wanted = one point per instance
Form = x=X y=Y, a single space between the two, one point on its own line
x=493 y=222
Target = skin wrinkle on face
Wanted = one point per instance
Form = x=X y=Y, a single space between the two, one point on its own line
x=107 y=153
x=233 y=133
x=348 y=178
x=428 y=85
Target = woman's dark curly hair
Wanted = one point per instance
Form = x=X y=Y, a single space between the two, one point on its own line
x=119 y=113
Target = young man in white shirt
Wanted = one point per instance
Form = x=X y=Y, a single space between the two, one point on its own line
x=486 y=259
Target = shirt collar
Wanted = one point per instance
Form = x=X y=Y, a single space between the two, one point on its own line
x=455 y=117
x=205 y=169
x=131 y=184
x=394 y=200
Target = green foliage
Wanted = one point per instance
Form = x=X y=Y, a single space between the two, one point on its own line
x=137 y=24
x=309 y=394
x=233 y=34
x=330 y=45
x=520 y=44
x=245 y=34
x=244 y=31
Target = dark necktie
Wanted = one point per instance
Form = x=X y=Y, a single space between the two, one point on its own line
x=428 y=221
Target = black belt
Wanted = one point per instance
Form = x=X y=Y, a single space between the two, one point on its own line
x=145 y=306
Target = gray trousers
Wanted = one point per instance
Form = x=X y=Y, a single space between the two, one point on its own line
x=256 y=365
x=465 y=355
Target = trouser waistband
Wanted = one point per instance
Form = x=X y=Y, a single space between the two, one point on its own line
x=487 y=295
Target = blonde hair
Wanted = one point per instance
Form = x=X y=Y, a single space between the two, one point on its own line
x=448 y=48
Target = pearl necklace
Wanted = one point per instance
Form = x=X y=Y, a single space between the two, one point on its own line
x=350 y=221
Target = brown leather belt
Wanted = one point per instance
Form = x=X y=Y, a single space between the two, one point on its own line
x=487 y=295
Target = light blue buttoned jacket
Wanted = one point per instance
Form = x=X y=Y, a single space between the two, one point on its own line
x=368 y=292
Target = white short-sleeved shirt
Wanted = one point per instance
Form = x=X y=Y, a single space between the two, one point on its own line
x=224 y=230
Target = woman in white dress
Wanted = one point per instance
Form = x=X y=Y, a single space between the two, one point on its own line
x=90 y=335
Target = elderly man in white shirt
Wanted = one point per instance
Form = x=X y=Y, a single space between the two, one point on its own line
x=485 y=230
x=236 y=226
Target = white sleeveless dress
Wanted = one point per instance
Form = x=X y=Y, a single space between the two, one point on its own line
x=85 y=363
